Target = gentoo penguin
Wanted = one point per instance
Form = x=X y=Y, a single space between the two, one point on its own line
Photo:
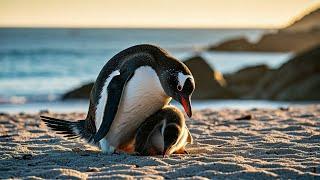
x=163 y=133
x=133 y=85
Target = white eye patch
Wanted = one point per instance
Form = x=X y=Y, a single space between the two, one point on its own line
x=182 y=79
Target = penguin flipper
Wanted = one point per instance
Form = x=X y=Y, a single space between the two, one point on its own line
x=115 y=90
x=68 y=129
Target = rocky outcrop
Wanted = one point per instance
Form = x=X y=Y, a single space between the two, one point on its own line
x=244 y=81
x=209 y=83
x=302 y=35
x=309 y=22
x=239 y=44
x=298 y=79
x=82 y=92
x=278 y=42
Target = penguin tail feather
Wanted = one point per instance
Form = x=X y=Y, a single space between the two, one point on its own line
x=69 y=129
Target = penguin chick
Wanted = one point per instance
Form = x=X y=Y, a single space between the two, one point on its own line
x=163 y=133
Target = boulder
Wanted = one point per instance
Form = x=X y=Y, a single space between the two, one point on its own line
x=307 y=89
x=238 y=44
x=210 y=84
x=82 y=92
x=300 y=36
x=245 y=80
x=297 y=79
x=288 y=41
x=309 y=22
x=273 y=42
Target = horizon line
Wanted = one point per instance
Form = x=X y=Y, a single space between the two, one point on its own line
x=138 y=27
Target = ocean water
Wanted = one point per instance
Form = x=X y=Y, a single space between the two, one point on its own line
x=39 y=65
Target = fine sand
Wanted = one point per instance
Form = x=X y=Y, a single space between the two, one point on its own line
x=229 y=143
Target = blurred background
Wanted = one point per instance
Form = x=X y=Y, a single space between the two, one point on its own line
x=243 y=53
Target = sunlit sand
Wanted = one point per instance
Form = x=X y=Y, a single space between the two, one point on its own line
x=229 y=143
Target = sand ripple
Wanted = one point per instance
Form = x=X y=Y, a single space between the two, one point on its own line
x=229 y=143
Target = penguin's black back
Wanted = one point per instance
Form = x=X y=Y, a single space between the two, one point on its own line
x=150 y=55
x=114 y=64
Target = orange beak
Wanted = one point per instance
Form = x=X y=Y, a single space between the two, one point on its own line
x=185 y=102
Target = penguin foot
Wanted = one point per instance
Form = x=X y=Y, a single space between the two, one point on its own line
x=181 y=151
x=106 y=148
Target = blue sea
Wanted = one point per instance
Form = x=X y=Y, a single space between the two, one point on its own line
x=38 y=65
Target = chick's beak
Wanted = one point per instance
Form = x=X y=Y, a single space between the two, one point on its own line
x=186 y=103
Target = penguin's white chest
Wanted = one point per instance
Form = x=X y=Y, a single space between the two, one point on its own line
x=142 y=96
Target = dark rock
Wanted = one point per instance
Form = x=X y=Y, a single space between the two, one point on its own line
x=209 y=83
x=288 y=41
x=309 y=22
x=299 y=36
x=245 y=80
x=281 y=41
x=82 y=92
x=307 y=89
x=298 y=79
x=239 y=44
x=284 y=108
x=246 y=117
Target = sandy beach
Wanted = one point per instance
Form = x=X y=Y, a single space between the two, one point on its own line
x=252 y=71
x=229 y=143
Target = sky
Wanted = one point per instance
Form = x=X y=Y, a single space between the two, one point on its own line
x=153 y=13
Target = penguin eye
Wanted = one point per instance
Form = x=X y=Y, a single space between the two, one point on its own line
x=189 y=86
x=179 y=87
